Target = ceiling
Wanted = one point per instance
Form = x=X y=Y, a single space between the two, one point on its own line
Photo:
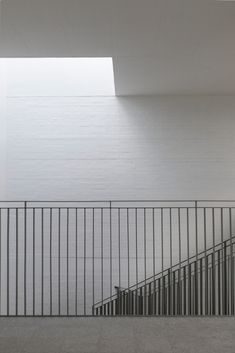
x=158 y=46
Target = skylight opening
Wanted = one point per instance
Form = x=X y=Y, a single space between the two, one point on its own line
x=59 y=77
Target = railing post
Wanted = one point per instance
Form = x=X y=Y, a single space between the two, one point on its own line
x=111 y=255
x=196 y=262
x=25 y=259
x=225 y=279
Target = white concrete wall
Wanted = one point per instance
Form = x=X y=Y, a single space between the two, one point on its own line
x=121 y=148
x=3 y=132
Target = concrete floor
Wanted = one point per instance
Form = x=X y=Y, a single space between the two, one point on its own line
x=117 y=335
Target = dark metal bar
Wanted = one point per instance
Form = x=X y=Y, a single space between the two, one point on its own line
x=185 y=290
x=17 y=258
x=136 y=256
x=76 y=264
x=111 y=253
x=42 y=274
x=119 y=262
x=201 y=287
x=213 y=265
x=179 y=272
x=1 y=261
x=128 y=258
x=225 y=279
x=196 y=274
x=189 y=290
x=59 y=246
x=178 y=292
x=162 y=255
x=84 y=262
x=231 y=263
x=163 y=296
x=171 y=260
x=67 y=259
x=25 y=258
x=93 y=260
x=206 y=286
x=8 y=255
x=145 y=264
x=34 y=288
x=154 y=267
x=159 y=297
x=169 y=293
x=102 y=258
x=219 y=283
x=189 y=274
x=222 y=272
x=206 y=263
x=174 y=294
x=51 y=261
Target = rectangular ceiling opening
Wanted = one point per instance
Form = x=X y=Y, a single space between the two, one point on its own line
x=59 y=77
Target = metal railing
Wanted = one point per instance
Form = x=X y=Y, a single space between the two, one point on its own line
x=116 y=258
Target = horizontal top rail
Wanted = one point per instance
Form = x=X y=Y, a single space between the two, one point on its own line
x=113 y=208
x=113 y=201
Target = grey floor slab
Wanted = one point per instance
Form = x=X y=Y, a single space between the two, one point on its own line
x=117 y=335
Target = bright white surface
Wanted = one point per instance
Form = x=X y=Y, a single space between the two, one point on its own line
x=99 y=148
x=3 y=132
x=59 y=76
x=158 y=46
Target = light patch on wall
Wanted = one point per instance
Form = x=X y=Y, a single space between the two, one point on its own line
x=59 y=77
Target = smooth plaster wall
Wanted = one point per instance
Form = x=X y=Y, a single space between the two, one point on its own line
x=121 y=148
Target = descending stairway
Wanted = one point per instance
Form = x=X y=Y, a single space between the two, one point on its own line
x=200 y=285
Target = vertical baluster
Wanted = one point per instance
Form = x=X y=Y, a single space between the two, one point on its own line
x=76 y=262
x=50 y=271
x=174 y=294
x=196 y=274
x=189 y=268
x=213 y=265
x=25 y=258
x=8 y=255
x=206 y=264
x=59 y=245
x=185 y=289
x=201 y=287
x=171 y=259
x=154 y=267
x=1 y=264
x=179 y=272
x=136 y=257
x=231 y=264
x=225 y=278
x=110 y=250
x=93 y=258
x=17 y=258
x=145 y=264
x=67 y=259
x=84 y=265
x=119 y=262
x=128 y=256
x=34 y=230
x=219 y=283
x=42 y=264
x=162 y=256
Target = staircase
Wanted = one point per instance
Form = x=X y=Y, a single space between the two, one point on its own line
x=200 y=285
